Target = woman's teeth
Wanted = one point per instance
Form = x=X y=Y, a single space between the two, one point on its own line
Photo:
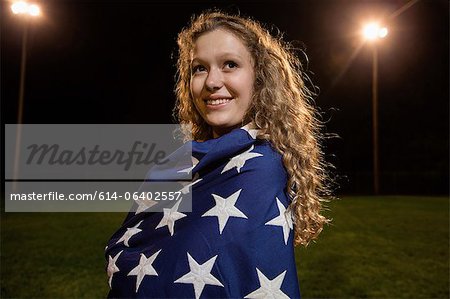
x=217 y=102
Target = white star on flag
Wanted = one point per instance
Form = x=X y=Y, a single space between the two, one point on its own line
x=170 y=216
x=112 y=267
x=239 y=160
x=143 y=204
x=189 y=169
x=269 y=288
x=144 y=268
x=185 y=189
x=131 y=231
x=250 y=128
x=224 y=209
x=199 y=275
x=284 y=219
x=186 y=170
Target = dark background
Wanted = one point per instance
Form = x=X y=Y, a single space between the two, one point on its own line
x=113 y=62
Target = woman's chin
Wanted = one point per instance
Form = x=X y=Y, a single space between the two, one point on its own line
x=219 y=130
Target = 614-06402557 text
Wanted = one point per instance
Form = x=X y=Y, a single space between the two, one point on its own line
x=99 y=195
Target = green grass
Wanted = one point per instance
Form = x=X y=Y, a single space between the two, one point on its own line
x=55 y=255
x=386 y=247
x=379 y=247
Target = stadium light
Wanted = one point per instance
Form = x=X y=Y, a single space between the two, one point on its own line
x=373 y=32
x=22 y=7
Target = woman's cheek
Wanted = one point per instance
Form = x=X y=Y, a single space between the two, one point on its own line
x=196 y=87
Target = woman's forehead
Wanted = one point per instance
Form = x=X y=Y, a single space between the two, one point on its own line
x=219 y=43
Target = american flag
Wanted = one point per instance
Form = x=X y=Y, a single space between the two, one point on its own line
x=236 y=243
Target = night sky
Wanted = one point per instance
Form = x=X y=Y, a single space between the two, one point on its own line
x=113 y=62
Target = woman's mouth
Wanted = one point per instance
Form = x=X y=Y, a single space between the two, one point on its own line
x=217 y=102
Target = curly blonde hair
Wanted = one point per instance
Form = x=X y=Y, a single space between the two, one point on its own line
x=281 y=109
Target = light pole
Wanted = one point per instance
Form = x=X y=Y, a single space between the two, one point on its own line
x=373 y=32
x=27 y=11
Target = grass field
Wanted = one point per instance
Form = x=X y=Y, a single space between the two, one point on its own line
x=376 y=247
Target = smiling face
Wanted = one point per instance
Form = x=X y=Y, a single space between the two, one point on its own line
x=222 y=80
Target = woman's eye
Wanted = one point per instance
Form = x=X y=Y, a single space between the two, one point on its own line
x=198 y=68
x=230 y=64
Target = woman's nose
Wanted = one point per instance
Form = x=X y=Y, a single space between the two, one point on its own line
x=214 y=81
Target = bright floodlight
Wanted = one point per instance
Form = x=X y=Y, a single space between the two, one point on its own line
x=19 y=7
x=23 y=7
x=34 y=10
x=382 y=32
x=373 y=31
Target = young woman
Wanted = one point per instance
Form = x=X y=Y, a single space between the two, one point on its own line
x=259 y=175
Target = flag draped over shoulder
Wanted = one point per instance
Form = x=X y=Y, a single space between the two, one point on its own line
x=236 y=243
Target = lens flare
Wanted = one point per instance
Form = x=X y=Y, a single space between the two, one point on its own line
x=373 y=31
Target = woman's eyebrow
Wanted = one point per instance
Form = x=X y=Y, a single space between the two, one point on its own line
x=197 y=60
